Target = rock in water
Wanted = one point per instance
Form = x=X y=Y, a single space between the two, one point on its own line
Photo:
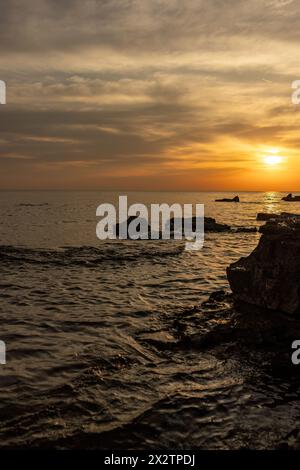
x=265 y=216
x=210 y=225
x=291 y=198
x=270 y=276
x=235 y=199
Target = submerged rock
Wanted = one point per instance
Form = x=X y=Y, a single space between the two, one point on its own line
x=270 y=276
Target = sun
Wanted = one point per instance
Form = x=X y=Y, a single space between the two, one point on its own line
x=271 y=156
x=273 y=160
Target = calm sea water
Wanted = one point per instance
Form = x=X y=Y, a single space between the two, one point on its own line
x=75 y=312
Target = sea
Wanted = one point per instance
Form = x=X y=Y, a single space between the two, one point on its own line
x=76 y=317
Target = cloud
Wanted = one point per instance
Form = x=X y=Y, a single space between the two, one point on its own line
x=111 y=89
x=148 y=25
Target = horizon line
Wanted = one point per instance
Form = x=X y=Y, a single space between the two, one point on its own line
x=150 y=190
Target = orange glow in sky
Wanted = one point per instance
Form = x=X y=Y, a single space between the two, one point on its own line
x=150 y=96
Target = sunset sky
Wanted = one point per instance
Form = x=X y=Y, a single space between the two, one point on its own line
x=150 y=94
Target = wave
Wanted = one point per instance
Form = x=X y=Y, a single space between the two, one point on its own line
x=42 y=204
x=87 y=255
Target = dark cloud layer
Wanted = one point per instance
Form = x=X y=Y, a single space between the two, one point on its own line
x=149 y=24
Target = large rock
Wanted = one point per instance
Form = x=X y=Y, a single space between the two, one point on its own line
x=270 y=276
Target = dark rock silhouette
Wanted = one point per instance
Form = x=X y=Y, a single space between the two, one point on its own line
x=270 y=276
x=242 y=331
x=289 y=215
x=291 y=198
x=265 y=216
x=280 y=226
x=235 y=199
x=210 y=225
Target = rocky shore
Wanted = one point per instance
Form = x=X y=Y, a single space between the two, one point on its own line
x=251 y=322
x=231 y=328
x=217 y=375
x=270 y=276
x=250 y=331
x=247 y=339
